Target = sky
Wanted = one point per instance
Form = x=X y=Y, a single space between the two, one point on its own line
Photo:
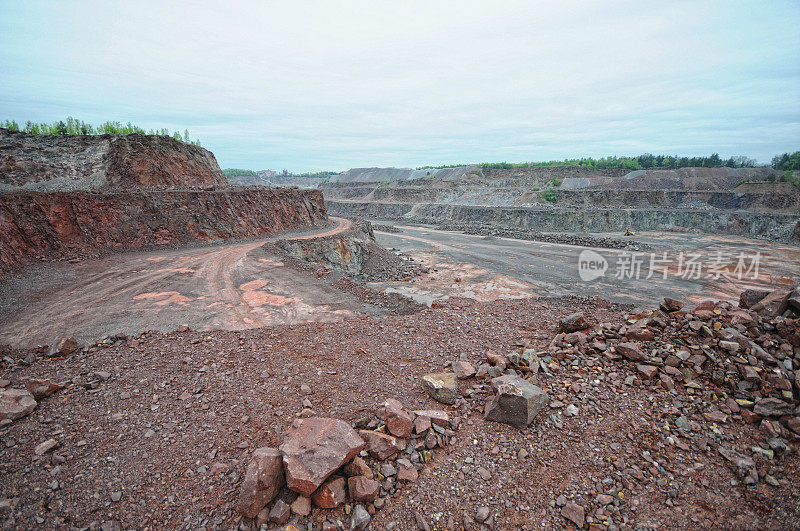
x=332 y=85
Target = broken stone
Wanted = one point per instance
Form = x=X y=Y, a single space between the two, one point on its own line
x=15 y=403
x=362 y=488
x=648 y=372
x=773 y=304
x=379 y=445
x=750 y=297
x=573 y=323
x=434 y=416
x=280 y=512
x=630 y=351
x=359 y=518
x=47 y=446
x=64 y=347
x=517 y=401
x=772 y=407
x=441 y=386
x=574 y=513
x=330 y=494
x=314 y=448
x=42 y=388
x=263 y=480
x=398 y=421
x=358 y=467
x=463 y=370
x=406 y=471
x=302 y=506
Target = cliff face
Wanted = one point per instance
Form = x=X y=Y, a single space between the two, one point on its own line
x=80 y=224
x=50 y=163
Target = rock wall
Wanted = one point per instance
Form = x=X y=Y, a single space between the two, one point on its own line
x=79 y=224
x=50 y=163
x=774 y=226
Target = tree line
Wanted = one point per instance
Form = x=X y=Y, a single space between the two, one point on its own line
x=72 y=126
x=640 y=162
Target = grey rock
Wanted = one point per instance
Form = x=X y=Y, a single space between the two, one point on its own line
x=441 y=386
x=516 y=401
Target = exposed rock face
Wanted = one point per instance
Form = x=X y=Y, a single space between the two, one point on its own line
x=314 y=448
x=52 y=163
x=66 y=225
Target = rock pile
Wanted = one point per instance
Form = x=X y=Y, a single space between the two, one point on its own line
x=722 y=363
x=327 y=463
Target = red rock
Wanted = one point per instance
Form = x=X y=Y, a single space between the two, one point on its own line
x=280 y=512
x=406 y=471
x=630 y=351
x=704 y=315
x=749 y=417
x=573 y=323
x=773 y=304
x=463 y=370
x=671 y=305
x=398 y=421
x=440 y=418
x=640 y=334
x=358 y=467
x=314 y=448
x=716 y=416
x=772 y=407
x=379 y=445
x=42 y=388
x=363 y=489
x=750 y=297
x=574 y=513
x=648 y=372
x=330 y=494
x=15 y=403
x=263 y=480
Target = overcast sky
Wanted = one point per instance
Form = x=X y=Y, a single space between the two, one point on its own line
x=334 y=85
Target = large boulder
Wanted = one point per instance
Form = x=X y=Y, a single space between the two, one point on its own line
x=381 y=446
x=331 y=494
x=630 y=351
x=314 y=448
x=263 y=478
x=751 y=297
x=398 y=420
x=773 y=304
x=15 y=403
x=64 y=347
x=516 y=402
x=573 y=323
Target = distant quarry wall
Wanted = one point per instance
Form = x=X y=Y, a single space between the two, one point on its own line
x=774 y=226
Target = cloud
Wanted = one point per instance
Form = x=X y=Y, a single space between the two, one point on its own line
x=331 y=85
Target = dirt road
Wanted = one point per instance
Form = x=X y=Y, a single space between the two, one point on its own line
x=223 y=286
x=697 y=266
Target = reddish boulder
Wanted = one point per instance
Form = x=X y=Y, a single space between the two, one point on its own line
x=42 y=388
x=630 y=351
x=773 y=304
x=263 y=478
x=751 y=297
x=573 y=323
x=15 y=403
x=314 y=448
x=363 y=489
x=379 y=445
x=331 y=494
x=398 y=421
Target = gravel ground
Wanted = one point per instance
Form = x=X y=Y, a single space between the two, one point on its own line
x=154 y=431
